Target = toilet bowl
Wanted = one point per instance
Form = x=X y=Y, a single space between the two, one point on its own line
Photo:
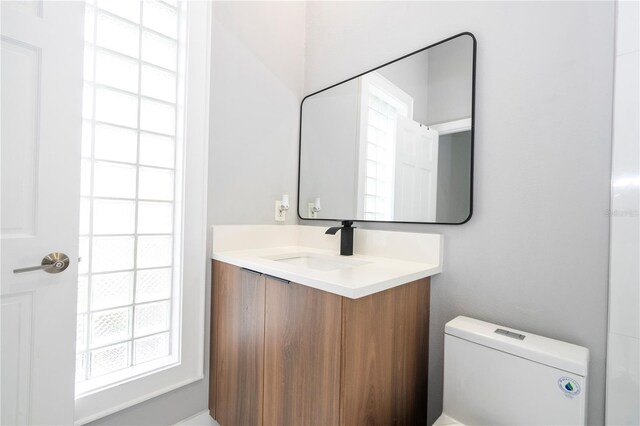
x=495 y=375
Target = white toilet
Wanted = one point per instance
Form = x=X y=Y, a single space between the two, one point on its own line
x=495 y=375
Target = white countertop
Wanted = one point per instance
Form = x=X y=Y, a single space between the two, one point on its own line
x=381 y=260
x=373 y=275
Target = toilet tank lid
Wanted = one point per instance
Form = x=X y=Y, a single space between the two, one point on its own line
x=554 y=353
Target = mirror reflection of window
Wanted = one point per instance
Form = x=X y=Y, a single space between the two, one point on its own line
x=381 y=103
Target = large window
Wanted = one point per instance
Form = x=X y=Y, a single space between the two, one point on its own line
x=130 y=273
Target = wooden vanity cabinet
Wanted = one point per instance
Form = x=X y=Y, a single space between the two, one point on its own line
x=237 y=345
x=287 y=354
x=385 y=357
x=301 y=355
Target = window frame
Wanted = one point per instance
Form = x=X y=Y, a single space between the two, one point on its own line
x=377 y=81
x=189 y=323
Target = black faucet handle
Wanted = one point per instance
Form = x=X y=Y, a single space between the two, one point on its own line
x=345 y=224
x=333 y=230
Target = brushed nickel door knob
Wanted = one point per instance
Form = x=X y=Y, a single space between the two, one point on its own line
x=52 y=263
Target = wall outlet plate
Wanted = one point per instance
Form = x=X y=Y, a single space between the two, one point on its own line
x=281 y=215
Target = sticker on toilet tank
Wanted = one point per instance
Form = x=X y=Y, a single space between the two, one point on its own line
x=569 y=386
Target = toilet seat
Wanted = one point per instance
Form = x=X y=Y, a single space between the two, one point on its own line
x=445 y=420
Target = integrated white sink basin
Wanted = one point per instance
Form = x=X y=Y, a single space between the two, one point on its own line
x=307 y=256
x=318 y=262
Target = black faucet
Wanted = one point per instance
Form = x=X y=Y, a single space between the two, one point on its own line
x=346 y=237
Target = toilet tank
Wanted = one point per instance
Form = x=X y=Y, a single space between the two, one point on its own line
x=496 y=375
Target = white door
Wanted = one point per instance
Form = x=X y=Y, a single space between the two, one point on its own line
x=416 y=172
x=41 y=84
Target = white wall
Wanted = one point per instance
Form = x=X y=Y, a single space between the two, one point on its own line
x=411 y=75
x=450 y=81
x=534 y=255
x=256 y=88
x=331 y=151
x=623 y=356
x=454 y=152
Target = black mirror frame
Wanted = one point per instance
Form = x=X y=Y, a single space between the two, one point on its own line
x=473 y=128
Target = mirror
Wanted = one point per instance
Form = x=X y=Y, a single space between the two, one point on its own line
x=394 y=144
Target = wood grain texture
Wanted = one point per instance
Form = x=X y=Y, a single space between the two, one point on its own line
x=385 y=343
x=213 y=345
x=236 y=377
x=302 y=355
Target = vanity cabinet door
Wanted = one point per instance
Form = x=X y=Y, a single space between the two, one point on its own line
x=237 y=345
x=385 y=349
x=302 y=355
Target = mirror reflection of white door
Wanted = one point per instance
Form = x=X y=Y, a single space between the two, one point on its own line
x=416 y=172
x=42 y=49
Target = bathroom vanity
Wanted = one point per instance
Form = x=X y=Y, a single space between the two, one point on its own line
x=302 y=336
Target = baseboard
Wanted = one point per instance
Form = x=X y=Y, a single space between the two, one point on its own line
x=201 y=419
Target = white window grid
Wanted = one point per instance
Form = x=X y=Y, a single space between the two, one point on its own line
x=87 y=276
x=380 y=154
